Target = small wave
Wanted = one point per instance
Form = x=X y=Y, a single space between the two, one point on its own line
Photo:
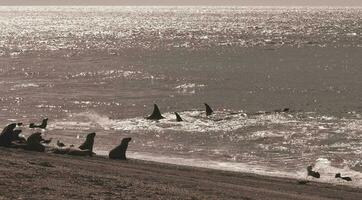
x=188 y=88
x=24 y=85
x=115 y=74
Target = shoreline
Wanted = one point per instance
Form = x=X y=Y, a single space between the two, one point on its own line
x=34 y=175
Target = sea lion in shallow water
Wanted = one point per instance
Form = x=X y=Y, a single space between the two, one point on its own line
x=120 y=151
x=89 y=141
x=156 y=114
x=346 y=178
x=209 y=111
x=43 y=124
x=312 y=173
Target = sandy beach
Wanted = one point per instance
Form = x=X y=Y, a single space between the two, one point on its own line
x=33 y=175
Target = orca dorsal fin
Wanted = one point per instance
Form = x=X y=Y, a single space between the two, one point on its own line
x=156 y=114
x=209 y=111
x=178 y=117
x=89 y=141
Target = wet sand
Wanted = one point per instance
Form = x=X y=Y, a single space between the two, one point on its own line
x=33 y=175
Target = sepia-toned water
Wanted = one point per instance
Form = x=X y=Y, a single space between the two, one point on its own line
x=101 y=69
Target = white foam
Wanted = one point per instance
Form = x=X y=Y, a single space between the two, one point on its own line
x=24 y=85
x=327 y=171
x=323 y=166
x=188 y=88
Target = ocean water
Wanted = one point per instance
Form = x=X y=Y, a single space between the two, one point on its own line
x=101 y=69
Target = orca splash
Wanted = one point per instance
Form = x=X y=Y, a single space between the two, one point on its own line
x=120 y=151
x=43 y=125
x=178 y=117
x=209 y=111
x=156 y=114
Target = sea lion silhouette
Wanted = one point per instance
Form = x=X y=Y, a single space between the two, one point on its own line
x=346 y=178
x=43 y=125
x=120 y=151
x=178 y=117
x=313 y=173
x=156 y=114
x=17 y=138
x=33 y=143
x=7 y=135
x=209 y=111
x=88 y=144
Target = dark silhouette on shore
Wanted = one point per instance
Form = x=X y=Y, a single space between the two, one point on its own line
x=60 y=144
x=209 y=111
x=43 y=125
x=346 y=178
x=33 y=143
x=86 y=149
x=178 y=117
x=88 y=143
x=156 y=114
x=8 y=135
x=313 y=173
x=120 y=151
x=44 y=141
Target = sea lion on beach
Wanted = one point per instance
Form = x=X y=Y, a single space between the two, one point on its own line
x=120 y=151
x=43 y=124
x=86 y=149
x=17 y=138
x=346 y=178
x=156 y=114
x=178 y=117
x=312 y=173
x=88 y=144
x=7 y=135
x=209 y=111
x=33 y=143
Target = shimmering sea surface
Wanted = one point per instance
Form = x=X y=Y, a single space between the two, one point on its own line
x=102 y=68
